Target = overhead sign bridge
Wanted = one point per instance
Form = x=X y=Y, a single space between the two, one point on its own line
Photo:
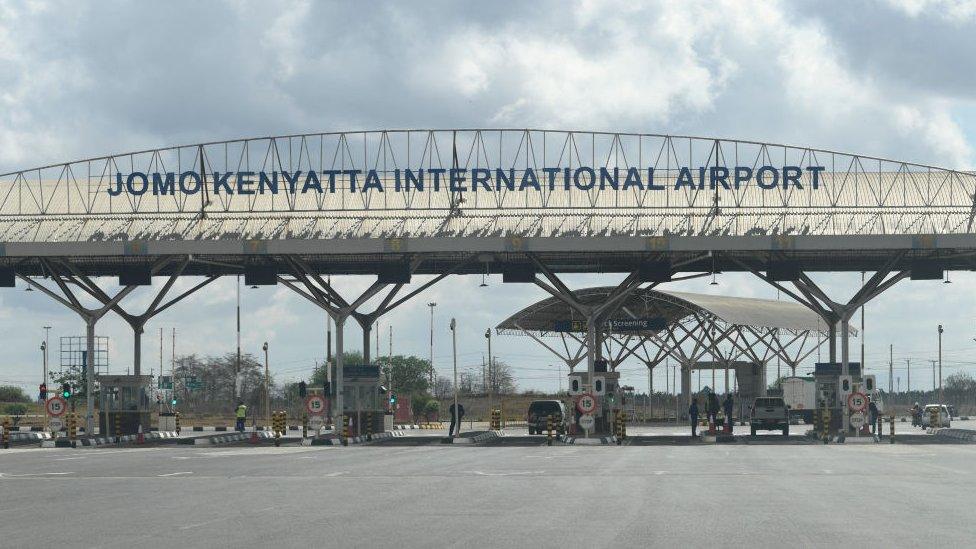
x=528 y=204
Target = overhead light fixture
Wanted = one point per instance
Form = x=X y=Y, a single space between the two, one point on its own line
x=254 y=287
x=947 y=281
x=713 y=282
x=29 y=289
x=484 y=276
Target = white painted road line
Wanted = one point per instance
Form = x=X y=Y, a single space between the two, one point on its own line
x=174 y=474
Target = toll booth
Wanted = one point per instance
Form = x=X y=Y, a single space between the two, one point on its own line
x=605 y=386
x=364 y=398
x=830 y=392
x=123 y=403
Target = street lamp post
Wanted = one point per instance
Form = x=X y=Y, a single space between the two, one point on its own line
x=457 y=416
x=267 y=385
x=432 y=305
x=489 y=383
x=941 y=396
x=47 y=333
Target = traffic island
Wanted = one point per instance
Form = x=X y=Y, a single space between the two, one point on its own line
x=473 y=437
x=335 y=440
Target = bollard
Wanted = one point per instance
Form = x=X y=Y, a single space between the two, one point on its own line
x=623 y=424
x=72 y=427
x=891 y=438
x=118 y=428
x=276 y=420
x=369 y=426
x=177 y=418
x=304 y=425
x=934 y=418
x=140 y=436
x=345 y=430
x=825 y=424
x=549 y=430
x=6 y=433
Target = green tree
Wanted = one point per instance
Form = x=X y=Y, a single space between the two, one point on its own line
x=407 y=375
x=16 y=411
x=12 y=393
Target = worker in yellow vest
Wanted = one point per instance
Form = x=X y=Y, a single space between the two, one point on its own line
x=241 y=413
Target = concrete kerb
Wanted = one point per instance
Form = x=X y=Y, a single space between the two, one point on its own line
x=964 y=435
x=333 y=440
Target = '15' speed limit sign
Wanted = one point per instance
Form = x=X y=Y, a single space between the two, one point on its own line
x=56 y=406
x=315 y=404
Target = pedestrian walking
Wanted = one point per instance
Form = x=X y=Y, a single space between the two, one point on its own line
x=693 y=414
x=240 y=414
x=873 y=415
x=456 y=420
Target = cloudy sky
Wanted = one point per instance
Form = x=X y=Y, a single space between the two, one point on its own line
x=893 y=78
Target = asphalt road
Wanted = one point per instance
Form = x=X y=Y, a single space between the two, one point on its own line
x=498 y=496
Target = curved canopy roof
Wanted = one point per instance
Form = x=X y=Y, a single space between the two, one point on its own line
x=552 y=315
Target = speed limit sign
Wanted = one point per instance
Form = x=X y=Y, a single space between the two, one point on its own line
x=56 y=406
x=586 y=403
x=315 y=404
x=857 y=402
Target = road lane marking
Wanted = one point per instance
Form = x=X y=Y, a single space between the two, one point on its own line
x=513 y=473
x=174 y=474
x=337 y=473
x=9 y=475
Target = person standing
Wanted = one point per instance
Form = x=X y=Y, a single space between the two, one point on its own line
x=712 y=410
x=873 y=415
x=728 y=406
x=693 y=414
x=240 y=414
x=456 y=420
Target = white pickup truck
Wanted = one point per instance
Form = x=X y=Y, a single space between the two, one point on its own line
x=770 y=414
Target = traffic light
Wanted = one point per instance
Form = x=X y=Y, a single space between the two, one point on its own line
x=392 y=399
x=173 y=402
x=327 y=387
x=66 y=390
x=43 y=392
x=302 y=389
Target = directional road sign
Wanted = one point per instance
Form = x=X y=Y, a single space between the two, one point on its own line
x=55 y=424
x=586 y=422
x=315 y=404
x=857 y=402
x=857 y=420
x=586 y=403
x=56 y=406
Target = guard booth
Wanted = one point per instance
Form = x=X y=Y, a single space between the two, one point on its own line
x=831 y=394
x=124 y=398
x=363 y=398
x=605 y=388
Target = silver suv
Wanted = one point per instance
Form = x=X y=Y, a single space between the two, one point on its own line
x=770 y=414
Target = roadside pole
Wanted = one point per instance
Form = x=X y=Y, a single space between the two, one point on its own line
x=457 y=416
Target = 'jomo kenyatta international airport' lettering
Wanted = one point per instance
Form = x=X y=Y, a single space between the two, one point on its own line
x=466 y=180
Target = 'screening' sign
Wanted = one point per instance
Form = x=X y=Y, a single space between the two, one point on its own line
x=459 y=180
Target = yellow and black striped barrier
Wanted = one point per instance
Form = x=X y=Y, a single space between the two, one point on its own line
x=118 y=428
x=345 y=430
x=934 y=418
x=825 y=424
x=6 y=433
x=279 y=421
x=177 y=418
x=304 y=425
x=549 y=430
x=496 y=420
x=891 y=437
x=369 y=425
x=72 y=426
